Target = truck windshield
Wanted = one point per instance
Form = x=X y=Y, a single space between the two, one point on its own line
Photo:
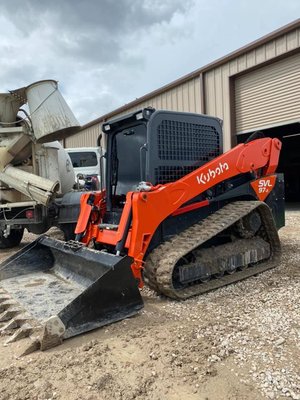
x=83 y=159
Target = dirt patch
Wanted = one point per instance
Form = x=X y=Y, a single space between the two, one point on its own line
x=239 y=342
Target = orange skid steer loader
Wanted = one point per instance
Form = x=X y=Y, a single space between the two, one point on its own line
x=175 y=212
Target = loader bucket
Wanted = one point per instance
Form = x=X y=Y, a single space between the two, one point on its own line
x=53 y=290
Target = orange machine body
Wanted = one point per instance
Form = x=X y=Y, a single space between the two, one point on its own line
x=145 y=210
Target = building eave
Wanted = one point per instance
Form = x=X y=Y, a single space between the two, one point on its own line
x=233 y=55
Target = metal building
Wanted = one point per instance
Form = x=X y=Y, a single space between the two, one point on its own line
x=254 y=88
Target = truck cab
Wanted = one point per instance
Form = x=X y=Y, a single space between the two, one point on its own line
x=86 y=163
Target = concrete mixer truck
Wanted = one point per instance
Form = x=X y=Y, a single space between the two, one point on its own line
x=36 y=173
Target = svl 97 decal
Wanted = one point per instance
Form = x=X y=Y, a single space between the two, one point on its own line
x=263 y=186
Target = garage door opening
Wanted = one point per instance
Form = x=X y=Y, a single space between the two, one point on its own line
x=289 y=162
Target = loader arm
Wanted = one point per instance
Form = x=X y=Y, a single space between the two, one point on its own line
x=144 y=211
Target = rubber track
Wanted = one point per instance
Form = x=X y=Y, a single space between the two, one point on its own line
x=160 y=263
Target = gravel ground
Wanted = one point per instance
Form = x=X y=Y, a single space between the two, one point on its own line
x=239 y=342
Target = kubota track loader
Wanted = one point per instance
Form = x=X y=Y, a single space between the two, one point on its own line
x=175 y=210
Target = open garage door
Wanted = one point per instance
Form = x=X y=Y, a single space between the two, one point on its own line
x=269 y=96
x=289 y=162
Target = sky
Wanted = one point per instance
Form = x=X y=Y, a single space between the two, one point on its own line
x=106 y=53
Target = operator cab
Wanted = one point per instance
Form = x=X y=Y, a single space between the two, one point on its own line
x=157 y=147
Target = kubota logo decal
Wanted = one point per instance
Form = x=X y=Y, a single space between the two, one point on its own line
x=211 y=174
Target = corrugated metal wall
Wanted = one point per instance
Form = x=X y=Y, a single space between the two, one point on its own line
x=217 y=81
x=269 y=96
x=85 y=138
x=186 y=96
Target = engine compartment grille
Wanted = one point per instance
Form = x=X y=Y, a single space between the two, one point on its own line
x=166 y=174
x=183 y=146
x=187 y=141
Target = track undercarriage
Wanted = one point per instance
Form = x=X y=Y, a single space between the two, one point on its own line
x=187 y=266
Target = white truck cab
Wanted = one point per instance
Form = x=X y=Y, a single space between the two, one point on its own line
x=86 y=161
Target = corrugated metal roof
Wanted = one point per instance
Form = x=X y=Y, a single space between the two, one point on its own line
x=273 y=35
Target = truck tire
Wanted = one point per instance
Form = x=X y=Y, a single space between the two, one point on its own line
x=13 y=239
